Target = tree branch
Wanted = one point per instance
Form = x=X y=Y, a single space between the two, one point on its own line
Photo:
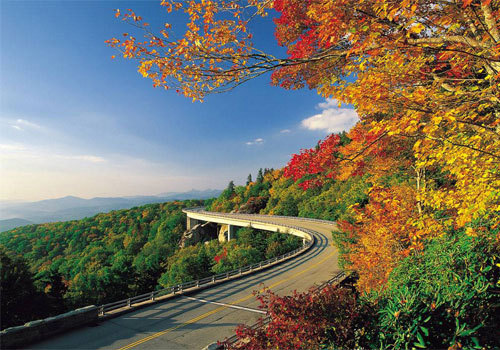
x=490 y=21
x=449 y=39
x=366 y=147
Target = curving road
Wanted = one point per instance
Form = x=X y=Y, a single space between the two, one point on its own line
x=192 y=322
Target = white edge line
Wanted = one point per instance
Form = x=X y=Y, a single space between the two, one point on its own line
x=227 y=305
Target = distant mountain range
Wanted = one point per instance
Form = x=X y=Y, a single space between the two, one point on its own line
x=13 y=215
x=9 y=224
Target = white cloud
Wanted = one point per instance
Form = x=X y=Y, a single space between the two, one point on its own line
x=332 y=118
x=28 y=124
x=86 y=158
x=20 y=124
x=329 y=103
x=285 y=131
x=257 y=141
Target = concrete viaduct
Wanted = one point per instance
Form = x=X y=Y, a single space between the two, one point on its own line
x=194 y=320
x=198 y=215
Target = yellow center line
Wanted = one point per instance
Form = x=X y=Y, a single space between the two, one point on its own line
x=205 y=315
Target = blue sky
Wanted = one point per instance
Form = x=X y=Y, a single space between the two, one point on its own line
x=75 y=122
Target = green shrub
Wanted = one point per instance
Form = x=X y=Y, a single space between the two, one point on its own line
x=446 y=297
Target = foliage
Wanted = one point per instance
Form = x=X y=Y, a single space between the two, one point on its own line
x=414 y=180
x=310 y=163
x=190 y=263
x=229 y=191
x=114 y=256
x=425 y=87
x=383 y=234
x=336 y=199
x=309 y=320
x=445 y=297
x=20 y=301
x=237 y=255
x=426 y=72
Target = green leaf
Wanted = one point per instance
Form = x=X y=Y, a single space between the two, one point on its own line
x=476 y=343
x=425 y=330
x=421 y=342
x=487 y=268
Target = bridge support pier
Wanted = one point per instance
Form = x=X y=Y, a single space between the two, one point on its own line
x=231 y=232
x=191 y=223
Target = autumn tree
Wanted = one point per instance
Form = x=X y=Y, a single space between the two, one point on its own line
x=312 y=166
x=423 y=76
x=425 y=70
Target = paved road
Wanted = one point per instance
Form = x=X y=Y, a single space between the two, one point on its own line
x=193 y=322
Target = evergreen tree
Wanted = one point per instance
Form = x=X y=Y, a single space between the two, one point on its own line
x=229 y=191
x=249 y=179
x=260 y=176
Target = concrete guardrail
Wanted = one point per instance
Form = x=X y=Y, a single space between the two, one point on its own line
x=33 y=331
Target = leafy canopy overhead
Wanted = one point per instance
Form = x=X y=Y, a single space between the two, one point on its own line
x=423 y=70
x=423 y=75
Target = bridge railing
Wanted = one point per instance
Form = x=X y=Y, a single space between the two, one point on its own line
x=181 y=287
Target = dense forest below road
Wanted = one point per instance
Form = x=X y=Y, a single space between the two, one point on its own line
x=48 y=269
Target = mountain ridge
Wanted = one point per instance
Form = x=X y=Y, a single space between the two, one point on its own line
x=73 y=208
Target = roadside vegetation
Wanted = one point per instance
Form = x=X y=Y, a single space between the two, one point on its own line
x=414 y=288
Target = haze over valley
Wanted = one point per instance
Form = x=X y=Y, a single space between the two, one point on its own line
x=14 y=214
